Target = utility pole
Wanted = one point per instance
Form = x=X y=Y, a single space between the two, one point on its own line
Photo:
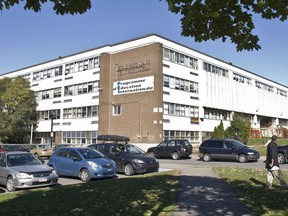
x=51 y=134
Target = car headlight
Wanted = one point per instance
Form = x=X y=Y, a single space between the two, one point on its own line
x=138 y=161
x=92 y=165
x=114 y=164
x=54 y=172
x=23 y=175
x=250 y=153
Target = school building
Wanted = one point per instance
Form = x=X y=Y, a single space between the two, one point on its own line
x=149 y=89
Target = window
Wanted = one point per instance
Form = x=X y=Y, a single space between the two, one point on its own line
x=117 y=110
x=79 y=137
x=215 y=69
x=180 y=58
x=180 y=84
x=166 y=81
x=57 y=92
x=191 y=136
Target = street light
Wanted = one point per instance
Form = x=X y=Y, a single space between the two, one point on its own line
x=51 y=133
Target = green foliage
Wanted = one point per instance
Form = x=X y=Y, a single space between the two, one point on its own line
x=17 y=109
x=60 y=6
x=222 y=19
x=219 y=131
x=239 y=128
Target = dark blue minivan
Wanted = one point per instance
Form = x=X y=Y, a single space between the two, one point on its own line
x=226 y=149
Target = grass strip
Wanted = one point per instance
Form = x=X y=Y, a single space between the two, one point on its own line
x=249 y=186
x=149 y=194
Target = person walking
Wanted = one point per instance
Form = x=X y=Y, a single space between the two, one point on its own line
x=272 y=165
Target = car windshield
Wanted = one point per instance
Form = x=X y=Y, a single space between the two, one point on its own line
x=43 y=146
x=22 y=160
x=90 y=153
x=238 y=144
x=133 y=150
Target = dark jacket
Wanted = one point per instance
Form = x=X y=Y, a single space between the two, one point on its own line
x=272 y=153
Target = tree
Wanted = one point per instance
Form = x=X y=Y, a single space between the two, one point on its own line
x=219 y=131
x=222 y=19
x=17 y=109
x=239 y=128
x=201 y=19
x=60 y=6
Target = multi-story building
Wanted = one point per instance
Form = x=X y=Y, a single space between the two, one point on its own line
x=149 y=89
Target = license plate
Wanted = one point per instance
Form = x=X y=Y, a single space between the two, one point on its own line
x=42 y=179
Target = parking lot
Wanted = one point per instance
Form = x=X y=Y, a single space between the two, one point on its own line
x=166 y=164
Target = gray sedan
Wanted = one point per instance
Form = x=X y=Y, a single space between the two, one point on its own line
x=23 y=170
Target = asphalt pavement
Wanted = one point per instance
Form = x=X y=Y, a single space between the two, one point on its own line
x=202 y=192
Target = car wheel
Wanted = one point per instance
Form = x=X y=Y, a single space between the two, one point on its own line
x=128 y=170
x=10 y=184
x=281 y=158
x=84 y=175
x=207 y=157
x=175 y=155
x=242 y=158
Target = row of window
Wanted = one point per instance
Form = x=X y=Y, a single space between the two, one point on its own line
x=73 y=137
x=180 y=84
x=242 y=79
x=79 y=137
x=48 y=93
x=281 y=92
x=44 y=74
x=82 y=88
x=76 y=89
x=215 y=69
x=216 y=114
x=69 y=113
x=180 y=58
x=264 y=86
x=80 y=112
x=69 y=68
x=49 y=114
x=191 y=136
x=82 y=65
x=181 y=110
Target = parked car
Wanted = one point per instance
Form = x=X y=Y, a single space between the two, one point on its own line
x=226 y=149
x=175 y=149
x=283 y=154
x=13 y=147
x=41 y=150
x=82 y=162
x=63 y=145
x=24 y=170
x=129 y=158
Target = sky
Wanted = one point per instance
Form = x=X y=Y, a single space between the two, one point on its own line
x=28 y=38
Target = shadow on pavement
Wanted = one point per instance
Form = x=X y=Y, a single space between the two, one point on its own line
x=201 y=195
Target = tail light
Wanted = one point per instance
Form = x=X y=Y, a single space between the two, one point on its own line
x=183 y=149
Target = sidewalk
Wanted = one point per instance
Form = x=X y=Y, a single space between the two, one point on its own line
x=203 y=193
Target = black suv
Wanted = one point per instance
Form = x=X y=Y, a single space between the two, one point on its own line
x=175 y=149
x=226 y=149
x=129 y=158
x=283 y=154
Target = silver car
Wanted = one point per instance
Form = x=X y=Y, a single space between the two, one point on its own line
x=24 y=170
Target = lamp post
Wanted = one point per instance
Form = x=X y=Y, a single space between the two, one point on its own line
x=51 y=133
